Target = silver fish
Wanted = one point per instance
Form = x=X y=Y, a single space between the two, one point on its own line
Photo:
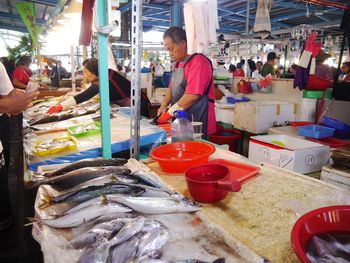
x=156 y=205
x=92 y=162
x=90 y=237
x=84 y=215
x=125 y=251
x=94 y=191
x=79 y=176
x=147 y=179
x=101 y=253
x=152 y=241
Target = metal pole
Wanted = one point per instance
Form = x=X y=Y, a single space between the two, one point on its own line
x=72 y=63
x=136 y=40
x=103 y=79
x=176 y=12
x=247 y=35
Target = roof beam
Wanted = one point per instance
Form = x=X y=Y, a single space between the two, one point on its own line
x=14 y=28
x=157 y=17
x=45 y=2
x=156 y=23
x=18 y=18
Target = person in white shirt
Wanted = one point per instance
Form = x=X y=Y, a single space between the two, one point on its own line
x=12 y=102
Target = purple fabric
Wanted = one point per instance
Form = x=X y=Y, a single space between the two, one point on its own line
x=301 y=78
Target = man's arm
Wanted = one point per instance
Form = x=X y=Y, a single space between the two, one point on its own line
x=18 y=84
x=16 y=102
x=187 y=100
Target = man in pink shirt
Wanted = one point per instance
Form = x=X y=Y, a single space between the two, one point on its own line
x=192 y=85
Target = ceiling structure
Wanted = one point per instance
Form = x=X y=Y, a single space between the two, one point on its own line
x=284 y=14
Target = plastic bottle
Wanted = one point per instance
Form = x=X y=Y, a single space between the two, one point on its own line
x=181 y=129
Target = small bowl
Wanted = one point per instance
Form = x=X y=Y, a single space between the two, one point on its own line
x=210 y=183
x=326 y=219
x=177 y=157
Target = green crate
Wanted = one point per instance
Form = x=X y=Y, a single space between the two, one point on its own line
x=87 y=133
x=317 y=94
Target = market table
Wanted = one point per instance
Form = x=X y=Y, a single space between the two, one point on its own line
x=262 y=214
x=54 y=92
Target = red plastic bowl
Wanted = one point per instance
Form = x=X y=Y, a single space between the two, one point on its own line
x=318 y=83
x=177 y=157
x=326 y=219
x=210 y=183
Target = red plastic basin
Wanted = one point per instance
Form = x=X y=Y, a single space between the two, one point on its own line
x=326 y=219
x=177 y=157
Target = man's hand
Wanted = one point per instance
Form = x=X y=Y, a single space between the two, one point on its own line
x=162 y=109
x=17 y=101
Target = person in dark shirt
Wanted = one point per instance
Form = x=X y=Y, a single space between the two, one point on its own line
x=268 y=67
x=119 y=90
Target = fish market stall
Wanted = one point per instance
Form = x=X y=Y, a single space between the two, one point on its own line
x=262 y=214
x=77 y=135
x=142 y=220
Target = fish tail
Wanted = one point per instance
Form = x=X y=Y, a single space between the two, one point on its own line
x=46 y=201
x=32 y=221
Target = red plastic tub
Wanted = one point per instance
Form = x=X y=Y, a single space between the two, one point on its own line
x=300 y=123
x=322 y=220
x=226 y=136
x=210 y=183
x=318 y=83
x=177 y=157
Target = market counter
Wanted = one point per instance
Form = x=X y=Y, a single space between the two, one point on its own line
x=54 y=93
x=262 y=214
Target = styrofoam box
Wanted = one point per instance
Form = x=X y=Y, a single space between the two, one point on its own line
x=336 y=177
x=258 y=116
x=224 y=113
x=288 y=152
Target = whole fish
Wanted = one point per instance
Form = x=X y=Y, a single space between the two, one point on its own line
x=94 y=191
x=89 y=238
x=83 y=215
x=93 y=162
x=126 y=251
x=101 y=253
x=156 y=205
x=79 y=176
x=151 y=242
x=147 y=179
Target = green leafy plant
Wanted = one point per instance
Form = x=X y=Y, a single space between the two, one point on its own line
x=24 y=47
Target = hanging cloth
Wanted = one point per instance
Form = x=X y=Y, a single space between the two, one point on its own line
x=262 y=23
x=86 y=22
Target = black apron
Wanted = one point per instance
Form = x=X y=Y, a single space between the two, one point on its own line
x=199 y=110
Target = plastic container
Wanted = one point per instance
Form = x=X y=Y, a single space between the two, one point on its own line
x=72 y=130
x=238 y=171
x=299 y=123
x=326 y=219
x=318 y=83
x=315 y=131
x=333 y=123
x=233 y=100
x=71 y=146
x=316 y=94
x=181 y=129
x=342 y=135
x=331 y=142
x=179 y=156
x=226 y=136
x=210 y=183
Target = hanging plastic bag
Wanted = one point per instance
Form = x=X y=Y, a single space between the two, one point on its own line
x=262 y=23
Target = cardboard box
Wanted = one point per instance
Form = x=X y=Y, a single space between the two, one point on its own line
x=258 y=116
x=288 y=152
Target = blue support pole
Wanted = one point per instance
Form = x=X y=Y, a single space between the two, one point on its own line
x=176 y=13
x=103 y=79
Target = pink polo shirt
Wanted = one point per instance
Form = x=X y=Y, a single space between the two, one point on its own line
x=198 y=73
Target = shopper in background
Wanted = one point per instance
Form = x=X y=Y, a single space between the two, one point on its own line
x=239 y=70
x=323 y=70
x=12 y=102
x=231 y=68
x=253 y=69
x=119 y=90
x=259 y=66
x=46 y=72
x=268 y=67
x=346 y=70
x=192 y=85
x=290 y=74
x=58 y=72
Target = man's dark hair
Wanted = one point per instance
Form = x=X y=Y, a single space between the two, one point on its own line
x=232 y=68
x=243 y=61
x=259 y=62
x=177 y=34
x=251 y=64
x=346 y=64
x=92 y=66
x=24 y=61
x=85 y=61
x=271 y=56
